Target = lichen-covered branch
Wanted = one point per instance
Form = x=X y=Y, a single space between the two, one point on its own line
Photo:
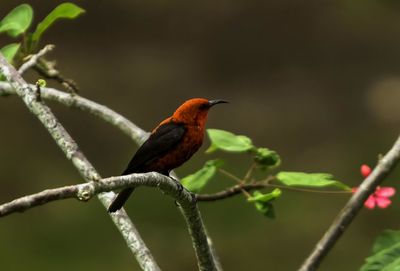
x=205 y=255
x=27 y=202
x=351 y=209
x=86 y=191
x=47 y=69
x=33 y=60
x=72 y=152
x=78 y=102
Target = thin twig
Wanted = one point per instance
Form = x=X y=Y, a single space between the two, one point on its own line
x=33 y=59
x=248 y=174
x=237 y=189
x=237 y=179
x=262 y=184
x=230 y=175
x=298 y=189
x=48 y=70
x=351 y=209
x=230 y=192
x=72 y=152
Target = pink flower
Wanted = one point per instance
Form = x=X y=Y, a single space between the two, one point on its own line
x=365 y=170
x=381 y=195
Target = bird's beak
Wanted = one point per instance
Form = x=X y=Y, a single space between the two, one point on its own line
x=214 y=102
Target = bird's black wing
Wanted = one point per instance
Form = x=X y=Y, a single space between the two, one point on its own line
x=164 y=138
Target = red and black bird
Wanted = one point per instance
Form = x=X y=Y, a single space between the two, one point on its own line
x=170 y=144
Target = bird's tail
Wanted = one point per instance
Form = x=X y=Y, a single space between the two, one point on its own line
x=120 y=200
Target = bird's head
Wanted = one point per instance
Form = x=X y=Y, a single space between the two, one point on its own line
x=194 y=111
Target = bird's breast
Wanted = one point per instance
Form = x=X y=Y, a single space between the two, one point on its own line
x=190 y=143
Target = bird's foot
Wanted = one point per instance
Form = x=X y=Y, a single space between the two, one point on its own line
x=194 y=197
x=180 y=189
x=179 y=186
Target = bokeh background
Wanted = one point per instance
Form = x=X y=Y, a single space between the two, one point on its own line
x=317 y=81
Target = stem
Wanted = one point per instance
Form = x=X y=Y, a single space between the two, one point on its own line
x=267 y=183
x=249 y=172
x=230 y=175
x=33 y=60
x=237 y=179
x=308 y=190
x=351 y=209
x=229 y=192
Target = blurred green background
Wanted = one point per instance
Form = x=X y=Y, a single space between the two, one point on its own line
x=317 y=81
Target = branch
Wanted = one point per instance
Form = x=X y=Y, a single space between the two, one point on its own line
x=33 y=60
x=75 y=191
x=231 y=191
x=238 y=189
x=351 y=209
x=75 y=101
x=86 y=191
x=72 y=152
x=47 y=69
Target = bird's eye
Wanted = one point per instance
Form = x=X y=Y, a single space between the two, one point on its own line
x=203 y=106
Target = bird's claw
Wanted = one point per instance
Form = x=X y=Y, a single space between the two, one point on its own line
x=179 y=186
x=180 y=189
x=194 y=197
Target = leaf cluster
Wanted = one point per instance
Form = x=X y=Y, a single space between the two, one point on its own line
x=17 y=22
x=385 y=253
x=263 y=159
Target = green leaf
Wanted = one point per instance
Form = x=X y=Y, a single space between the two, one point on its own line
x=310 y=180
x=267 y=158
x=227 y=141
x=9 y=51
x=63 y=11
x=263 y=202
x=260 y=197
x=385 y=240
x=266 y=209
x=17 y=20
x=393 y=266
x=385 y=253
x=196 y=181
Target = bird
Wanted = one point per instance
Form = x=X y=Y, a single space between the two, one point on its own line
x=170 y=144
